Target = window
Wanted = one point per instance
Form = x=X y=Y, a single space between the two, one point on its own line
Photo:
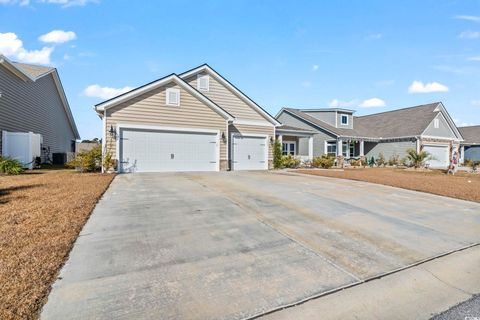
x=288 y=148
x=436 y=123
x=344 y=119
x=331 y=149
x=203 y=82
x=173 y=97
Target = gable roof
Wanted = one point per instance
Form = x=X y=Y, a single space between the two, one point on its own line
x=31 y=72
x=319 y=124
x=470 y=134
x=100 y=107
x=206 y=68
x=400 y=123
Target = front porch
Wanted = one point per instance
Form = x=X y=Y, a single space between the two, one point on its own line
x=346 y=148
x=296 y=142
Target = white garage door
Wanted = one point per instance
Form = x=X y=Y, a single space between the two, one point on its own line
x=440 y=156
x=249 y=153
x=163 y=151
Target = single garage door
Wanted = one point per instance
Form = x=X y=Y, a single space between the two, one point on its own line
x=249 y=153
x=439 y=154
x=164 y=151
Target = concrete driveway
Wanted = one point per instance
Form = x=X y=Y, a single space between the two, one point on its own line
x=232 y=245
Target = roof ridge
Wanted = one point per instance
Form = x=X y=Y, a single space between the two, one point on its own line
x=395 y=110
x=471 y=126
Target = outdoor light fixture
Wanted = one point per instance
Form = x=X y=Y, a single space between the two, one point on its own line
x=271 y=139
x=223 y=137
x=112 y=132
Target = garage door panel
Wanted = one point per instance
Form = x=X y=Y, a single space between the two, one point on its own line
x=439 y=156
x=163 y=151
x=249 y=153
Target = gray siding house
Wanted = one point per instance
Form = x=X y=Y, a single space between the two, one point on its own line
x=339 y=133
x=32 y=100
x=471 y=145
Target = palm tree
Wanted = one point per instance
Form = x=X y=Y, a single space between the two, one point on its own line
x=417 y=159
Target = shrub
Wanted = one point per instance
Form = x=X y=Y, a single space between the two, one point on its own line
x=277 y=154
x=472 y=164
x=10 y=166
x=323 y=161
x=394 y=160
x=380 y=160
x=356 y=162
x=417 y=159
x=87 y=160
x=290 y=162
x=108 y=162
x=371 y=162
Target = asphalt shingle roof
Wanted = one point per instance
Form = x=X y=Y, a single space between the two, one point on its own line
x=405 y=122
x=32 y=70
x=470 y=134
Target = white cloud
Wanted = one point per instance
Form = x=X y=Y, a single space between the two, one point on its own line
x=420 y=87
x=335 y=103
x=58 y=36
x=20 y=2
x=97 y=91
x=468 y=18
x=69 y=3
x=470 y=34
x=372 y=103
x=476 y=58
x=63 y=3
x=12 y=47
x=315 y=67
x=374 y=36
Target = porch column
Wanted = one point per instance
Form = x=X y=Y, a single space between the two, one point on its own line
x=310 y=148
x=280 y=138
x=362 y=152
x=462 y=155
x=339 y=148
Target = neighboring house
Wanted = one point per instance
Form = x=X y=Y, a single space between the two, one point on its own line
x=32 y=100
x=194 y=121
x=339 y=133
x=471 y=145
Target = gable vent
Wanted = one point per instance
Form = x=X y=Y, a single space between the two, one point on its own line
x=203 y=82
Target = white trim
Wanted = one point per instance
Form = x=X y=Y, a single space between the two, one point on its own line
x=121 y=126
x=436 y=123
x=104 y=138
x=252 y=122
x=310 y=148
x=440 y=107
x=295 y=151
x=172 y=78
x=225 y=83
x=336 y=119
x=254 y=135
x=449 y=127
x=440 y=138
x=167 y=97
x=341 y=118
x=207 y=77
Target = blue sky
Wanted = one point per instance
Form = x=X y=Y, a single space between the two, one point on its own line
x=370 y=56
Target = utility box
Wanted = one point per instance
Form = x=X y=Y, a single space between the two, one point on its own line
x=59 y=158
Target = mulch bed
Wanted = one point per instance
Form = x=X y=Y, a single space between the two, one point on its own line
x=41 y=215
x=462 y=185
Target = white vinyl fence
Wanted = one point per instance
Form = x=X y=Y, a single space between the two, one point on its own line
x=23 y=146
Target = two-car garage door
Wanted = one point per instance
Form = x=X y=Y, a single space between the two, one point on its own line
x=164 y=151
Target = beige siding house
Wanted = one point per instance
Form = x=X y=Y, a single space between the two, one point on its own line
x=32 y=100
x=195 y=121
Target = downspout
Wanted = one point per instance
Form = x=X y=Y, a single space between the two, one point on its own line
x=104 y=137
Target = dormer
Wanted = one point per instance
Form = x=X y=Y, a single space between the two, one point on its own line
x=337 y=117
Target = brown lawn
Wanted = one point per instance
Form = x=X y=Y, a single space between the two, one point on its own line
x=41 y=214
x=464 y=186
